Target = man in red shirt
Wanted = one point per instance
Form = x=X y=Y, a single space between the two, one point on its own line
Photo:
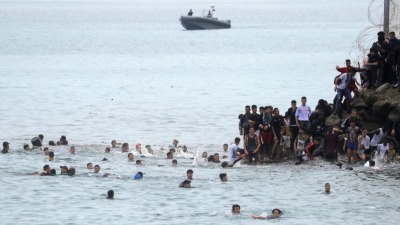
x=352 y=85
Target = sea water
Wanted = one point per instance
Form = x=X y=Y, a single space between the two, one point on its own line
x=99 y=70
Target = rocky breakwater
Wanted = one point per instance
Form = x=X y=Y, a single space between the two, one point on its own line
x=378 y=108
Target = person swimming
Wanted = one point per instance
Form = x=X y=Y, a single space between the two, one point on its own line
x=185 y=184
x=276 y=213
x=110 y=194
x=223 y=177
x=236 y=209
x=327 y=188
x=138 y=176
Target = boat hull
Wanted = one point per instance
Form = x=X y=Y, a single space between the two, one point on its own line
x=204 y=23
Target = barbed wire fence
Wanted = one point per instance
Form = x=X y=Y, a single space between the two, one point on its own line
x=368 y=35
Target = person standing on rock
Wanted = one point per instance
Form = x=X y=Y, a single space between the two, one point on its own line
x=352 y=84
x=342 y=89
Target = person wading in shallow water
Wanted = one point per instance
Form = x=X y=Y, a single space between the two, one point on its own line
x=252 y=145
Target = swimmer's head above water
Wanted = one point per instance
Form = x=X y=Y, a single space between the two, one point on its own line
x=327 y=187
x=235 y=209
x=110 y=194
x=185 y=184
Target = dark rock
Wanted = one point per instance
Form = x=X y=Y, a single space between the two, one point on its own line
x=332 y=120
x=383 y=88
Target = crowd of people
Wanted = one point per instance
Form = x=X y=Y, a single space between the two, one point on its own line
x=382 y=63
x=301 y=135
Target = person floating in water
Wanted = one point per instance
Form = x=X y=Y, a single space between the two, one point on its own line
x=236 y=209
x=327 y=188
x=223 y=177
x=185 y=184
x=110 y=194
x=138 y=176
x=6 y=147
x=276 y=213
x=190 y=13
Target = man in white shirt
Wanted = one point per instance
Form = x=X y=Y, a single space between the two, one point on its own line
x=341 y=87
x=302 y=115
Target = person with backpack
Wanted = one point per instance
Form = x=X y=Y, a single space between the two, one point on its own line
x=341 y=87
x=352 y=84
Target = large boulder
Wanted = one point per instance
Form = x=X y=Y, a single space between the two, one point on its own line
x=383 y=88
x=381 y=107
x=332 y=120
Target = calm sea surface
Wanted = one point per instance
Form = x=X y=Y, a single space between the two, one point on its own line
x=127 y=70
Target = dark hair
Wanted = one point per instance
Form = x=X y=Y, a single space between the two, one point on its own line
x=53 y=172
x=51 y=154
x=41 y=137
x=371 y=163
x=130 y=154
x=225 y=144
x=247 y=106
x=52 y=143
x=235 y=206
x=97 y=166
x=347 y=60
x=224 y=164
x=71 y=171
x=254 y=106
x=110 y=194
x=26 y=145
x=125 y=144
x=237 y=139
x=304 y=97
x=63 y=138
x=174 y=161
x=189 y=171
x=45 y=167
x=372 y=50
x=280 y=212
x=88 y=164
x=352 y=120
x=293 y=101
x=222 y=175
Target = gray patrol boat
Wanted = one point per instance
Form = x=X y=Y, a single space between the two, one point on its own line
x=204 y=23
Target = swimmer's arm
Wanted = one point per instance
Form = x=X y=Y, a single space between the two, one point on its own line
x=258 y=217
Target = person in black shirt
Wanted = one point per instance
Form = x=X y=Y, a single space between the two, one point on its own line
x=278 y=125
x=255 y=119
x=244 y=121
x=293 y=127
